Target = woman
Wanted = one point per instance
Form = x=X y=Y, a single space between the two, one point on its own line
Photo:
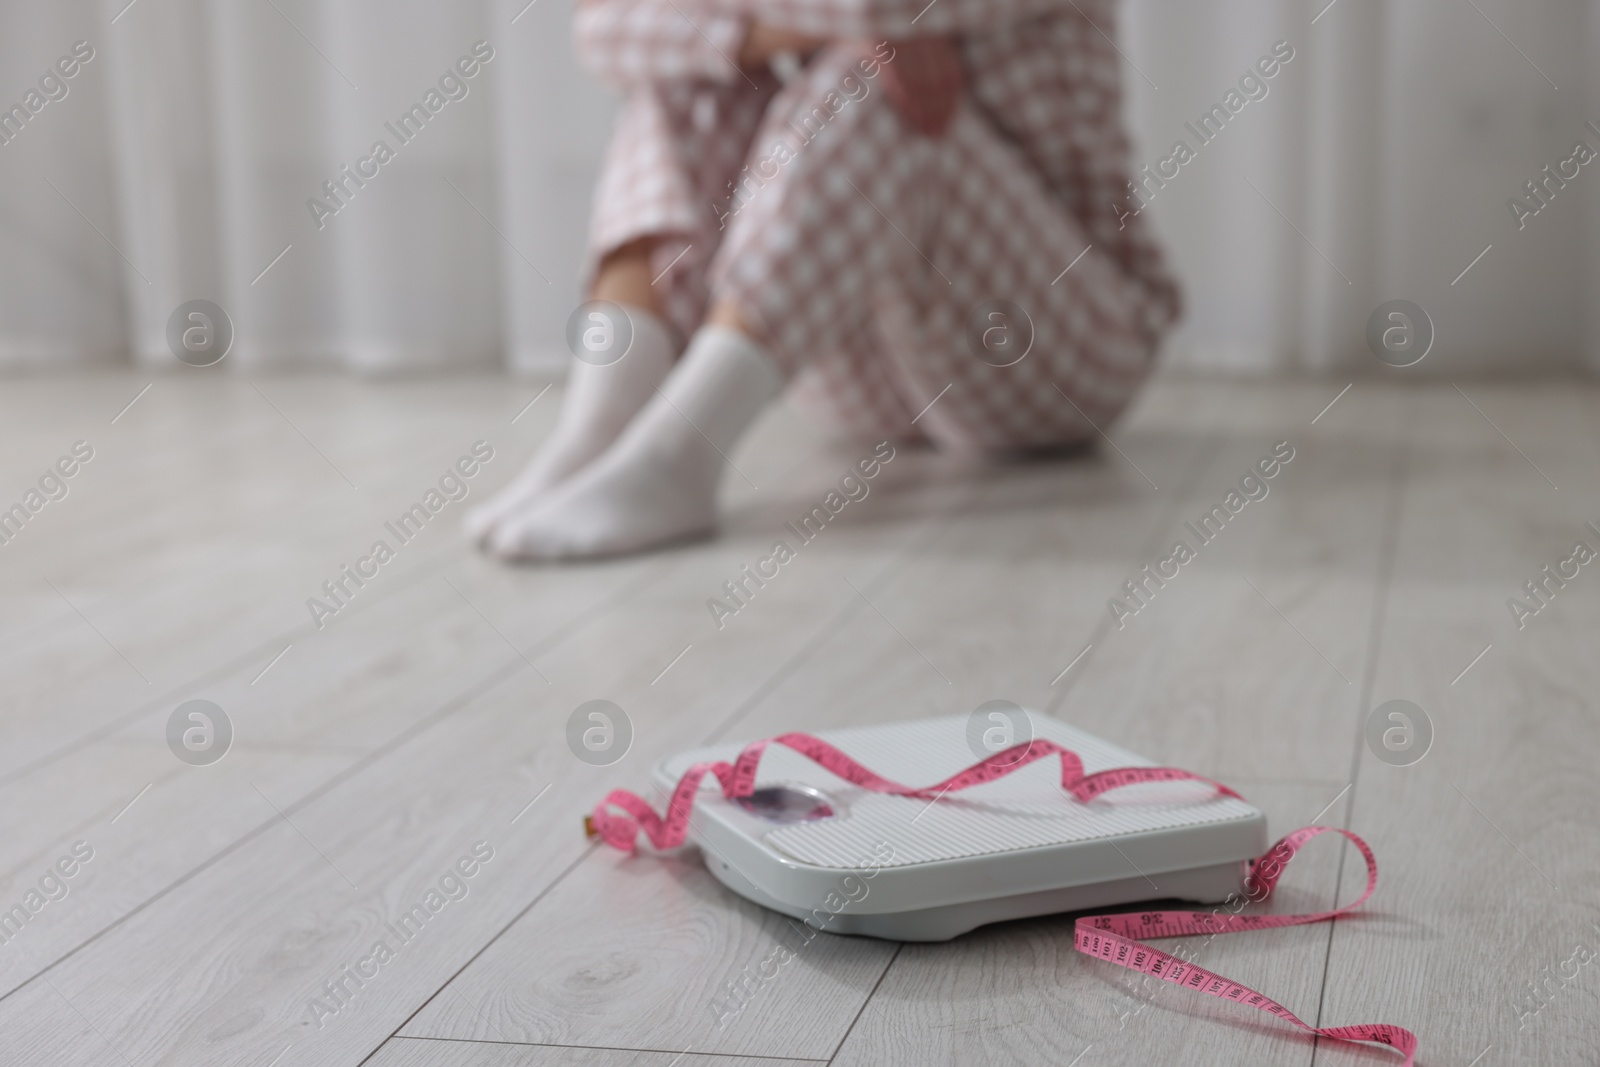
x=854 y=227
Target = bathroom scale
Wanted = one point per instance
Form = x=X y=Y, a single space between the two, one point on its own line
x=814 y=846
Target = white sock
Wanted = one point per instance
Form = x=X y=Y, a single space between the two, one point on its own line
x=595 y=408
x=658 y=482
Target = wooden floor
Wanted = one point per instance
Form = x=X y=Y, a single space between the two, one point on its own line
x=429 y=714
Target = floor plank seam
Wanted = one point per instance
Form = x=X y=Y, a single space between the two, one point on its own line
x=1168 y=519
x=802 y=656
x=449 y=708
x=865 y=1002
x=498 y=934
x=1399 y=481
x=477 y=689
x=423 y=570
x=608 y=1048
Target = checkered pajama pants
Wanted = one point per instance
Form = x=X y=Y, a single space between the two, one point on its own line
x=865 y=253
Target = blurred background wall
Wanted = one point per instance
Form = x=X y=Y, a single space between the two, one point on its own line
x=180 y=162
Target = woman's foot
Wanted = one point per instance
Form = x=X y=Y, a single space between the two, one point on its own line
x=632 y=498
x=597 y=406
x=658 y=483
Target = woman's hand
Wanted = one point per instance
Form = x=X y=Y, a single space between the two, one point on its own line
x=764 y=41
x=925 y=80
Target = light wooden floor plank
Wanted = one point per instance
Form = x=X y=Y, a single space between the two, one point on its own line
x=1487 y=846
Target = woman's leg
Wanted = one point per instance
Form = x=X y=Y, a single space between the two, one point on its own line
x=599 y=399
x=860 y=224
x=647 y=225
x=852 y=390
x=658 y=482
x=918 y=239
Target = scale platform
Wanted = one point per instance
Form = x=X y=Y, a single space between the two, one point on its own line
x=813 y=846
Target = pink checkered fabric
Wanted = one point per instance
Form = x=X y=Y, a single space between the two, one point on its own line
x=864 y=252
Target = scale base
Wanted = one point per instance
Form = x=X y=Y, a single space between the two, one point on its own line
x=1204 y=885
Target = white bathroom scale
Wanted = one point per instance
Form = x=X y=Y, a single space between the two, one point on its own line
x=813 y=846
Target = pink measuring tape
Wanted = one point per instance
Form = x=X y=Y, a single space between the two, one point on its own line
x=1115 y=938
